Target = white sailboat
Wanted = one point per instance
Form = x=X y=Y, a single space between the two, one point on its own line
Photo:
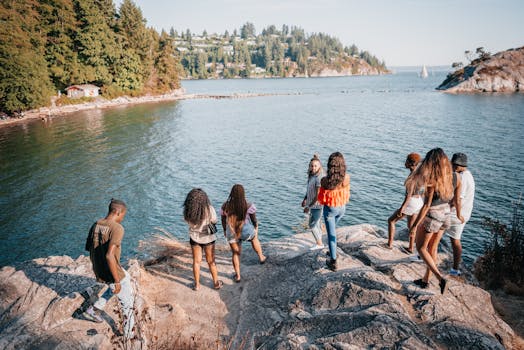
x=424 y=72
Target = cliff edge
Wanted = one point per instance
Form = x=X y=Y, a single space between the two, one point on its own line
x=502 y=72
x=291 y=302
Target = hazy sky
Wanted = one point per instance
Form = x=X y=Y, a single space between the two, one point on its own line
x=402 y=32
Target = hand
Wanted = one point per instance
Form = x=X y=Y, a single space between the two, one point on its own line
x=412 y=231
x=306 y=210
x=461 y=218
x=117 y=288
x=303 y=203
x=399 y=213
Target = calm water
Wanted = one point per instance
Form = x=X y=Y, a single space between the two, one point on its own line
x=57 y=177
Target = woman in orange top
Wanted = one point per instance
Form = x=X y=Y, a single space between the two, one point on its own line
x=334 y=194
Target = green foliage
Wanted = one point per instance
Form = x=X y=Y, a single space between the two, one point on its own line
x=503 y=259
x=47 y=45
x=281 y=53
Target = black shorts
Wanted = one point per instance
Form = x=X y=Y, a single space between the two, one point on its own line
x=202 y=245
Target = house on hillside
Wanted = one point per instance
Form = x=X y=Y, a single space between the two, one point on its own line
x=84 y=90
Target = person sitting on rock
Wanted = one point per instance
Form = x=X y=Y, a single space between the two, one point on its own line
x=310 y=202
x=334 y=194
x=239 y=222
x=410 y=207
x=199 y=215
x=104 y=243
x=441 y=185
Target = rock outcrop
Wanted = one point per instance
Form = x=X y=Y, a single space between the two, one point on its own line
x=502 y=72
x=291 y=302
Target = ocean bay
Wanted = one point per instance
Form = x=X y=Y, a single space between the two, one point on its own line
x=57 y=177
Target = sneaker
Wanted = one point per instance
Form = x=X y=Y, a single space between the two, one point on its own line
x=454 y=272
x=415 y=258
x=332 y=264
x=93 y=315
x=317 y=247
x=421 y=283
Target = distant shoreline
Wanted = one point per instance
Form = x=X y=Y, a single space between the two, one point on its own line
x=46 y=113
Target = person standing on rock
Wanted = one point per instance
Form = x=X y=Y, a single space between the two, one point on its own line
x=333 y=195
x=239 y=222
x=441 y=186
x=459 y=162
x=201 y=218
x=410 y=207
x=104 y=243
x=310 y=202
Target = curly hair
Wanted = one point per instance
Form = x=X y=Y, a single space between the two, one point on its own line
x=336 y=171
x=315 y=158
x=236 y=208
x=434 y=170
x=413 y=159
x=196 y=206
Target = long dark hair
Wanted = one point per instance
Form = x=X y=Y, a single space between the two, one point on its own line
x=196 y=206
x=236 y=208
x=336 y=171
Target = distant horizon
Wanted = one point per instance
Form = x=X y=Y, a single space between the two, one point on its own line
x=403 y=33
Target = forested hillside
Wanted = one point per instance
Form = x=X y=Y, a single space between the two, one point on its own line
x=47 y=45
x=284 y=52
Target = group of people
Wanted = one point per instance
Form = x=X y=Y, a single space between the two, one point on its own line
x=439 y=198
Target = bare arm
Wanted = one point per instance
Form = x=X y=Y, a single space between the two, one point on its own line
x=253 y=218
x=113 y=266
x=424 y=209
x=457 y=201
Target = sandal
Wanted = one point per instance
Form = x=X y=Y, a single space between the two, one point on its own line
x=218 y=285
x=406 y=250
x=385 y=245
x=421 y=283
x=195 y=287
x=262 y=262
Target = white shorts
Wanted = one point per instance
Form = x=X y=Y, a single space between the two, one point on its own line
x=456 y=227
x=413 y=207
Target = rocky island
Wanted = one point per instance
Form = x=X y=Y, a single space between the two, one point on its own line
x=502 y=72
x=291 y=302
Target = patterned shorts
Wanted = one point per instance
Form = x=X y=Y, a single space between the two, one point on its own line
x=437 y=218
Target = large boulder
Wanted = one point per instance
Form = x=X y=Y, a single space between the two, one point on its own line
x=291 y=302
x=502 y=72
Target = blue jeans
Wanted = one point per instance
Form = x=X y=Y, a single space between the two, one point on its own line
x=314 y=223
x=126 y=298
x=331 y=217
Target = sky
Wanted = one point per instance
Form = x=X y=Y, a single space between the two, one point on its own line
x=401 y=32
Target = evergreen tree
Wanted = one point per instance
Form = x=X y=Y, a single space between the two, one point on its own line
x=167 y=65
x=247 y=30
x=24 y=79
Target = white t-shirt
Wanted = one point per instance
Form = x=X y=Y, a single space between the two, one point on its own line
x=467 y=194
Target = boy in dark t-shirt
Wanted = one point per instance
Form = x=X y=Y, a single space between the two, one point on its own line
x=104 y=246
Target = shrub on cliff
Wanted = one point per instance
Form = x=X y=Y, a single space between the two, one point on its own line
x=502 y=265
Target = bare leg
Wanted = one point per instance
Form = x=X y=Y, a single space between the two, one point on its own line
x=197 y=259
x=422 y=240
x=433 y=249
x=210 y=258
x=391 y=226
x=236 y=248
x=411 y=221
x=255 y=243
x=457 y=252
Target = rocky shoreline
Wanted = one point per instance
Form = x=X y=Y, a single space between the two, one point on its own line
x=291 y=302
x=45 y=113
x=502 y=72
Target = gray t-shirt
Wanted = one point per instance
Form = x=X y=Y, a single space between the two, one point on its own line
x=313 y=184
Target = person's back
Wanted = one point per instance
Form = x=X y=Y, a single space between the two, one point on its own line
x=103 y=233
x=468 y=193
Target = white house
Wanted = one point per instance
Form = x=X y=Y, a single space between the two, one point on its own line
x=84 y=90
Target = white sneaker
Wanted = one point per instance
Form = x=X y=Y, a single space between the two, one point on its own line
x=415 y=258
x=93 y=315
x=317 y=247
x=454 y=272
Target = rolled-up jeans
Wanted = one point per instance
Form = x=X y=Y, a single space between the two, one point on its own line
x=314 y=223
x=126 y=297
x=331 y=217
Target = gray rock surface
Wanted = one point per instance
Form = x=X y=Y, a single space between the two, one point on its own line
x=502 y=72
x=291 y=302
